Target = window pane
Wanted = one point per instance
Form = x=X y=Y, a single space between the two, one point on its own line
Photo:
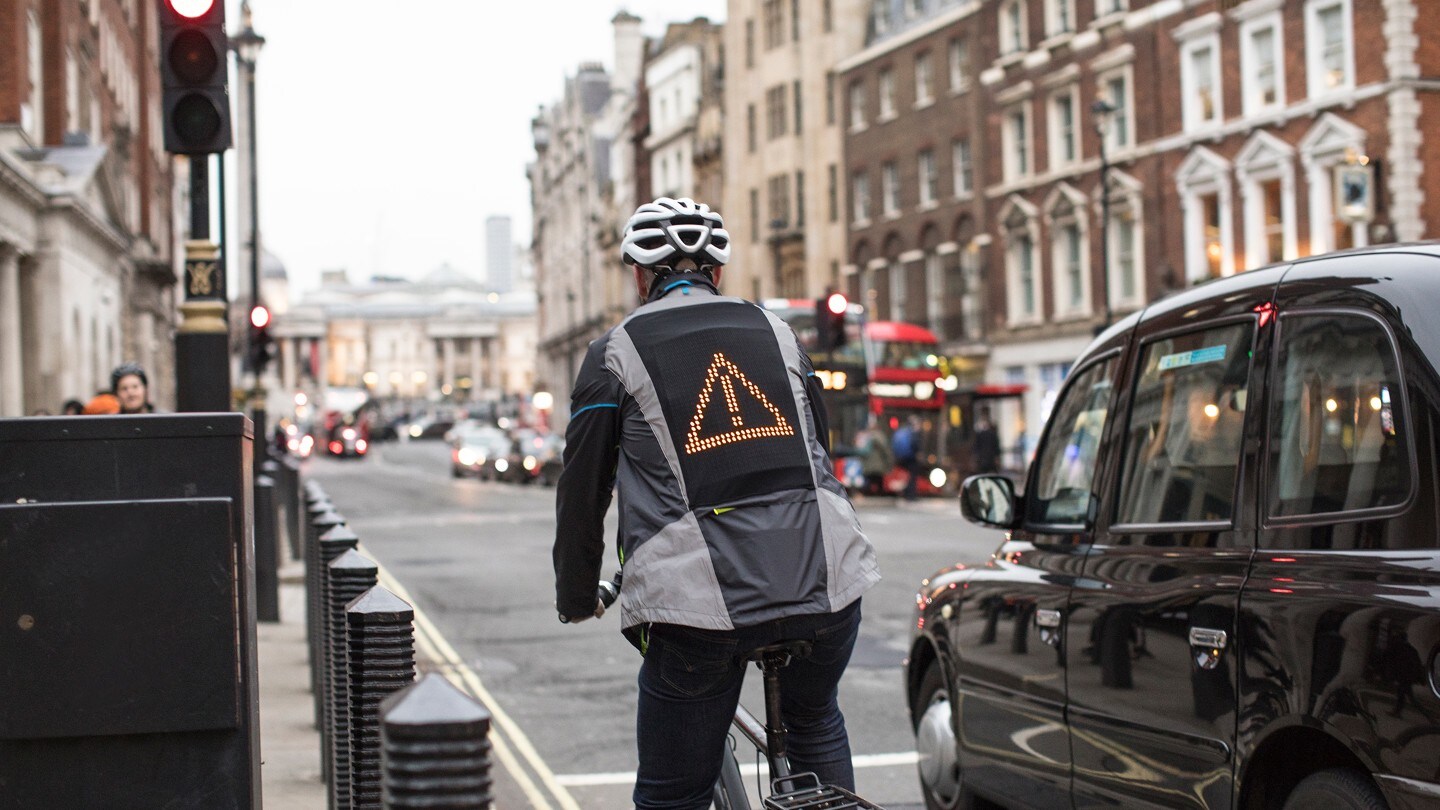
x=1065 y=465
x=1182 y=446
x=1338 y=438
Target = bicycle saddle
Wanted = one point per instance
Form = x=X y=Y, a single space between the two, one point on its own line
x=779 y=654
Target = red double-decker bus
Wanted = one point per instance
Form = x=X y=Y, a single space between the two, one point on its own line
x=884 y=373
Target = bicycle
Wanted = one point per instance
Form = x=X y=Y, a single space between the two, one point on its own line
x=788 y=790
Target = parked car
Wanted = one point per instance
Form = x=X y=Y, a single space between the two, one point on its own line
x=1221 y=586
x=429 y=427
x=475 y=451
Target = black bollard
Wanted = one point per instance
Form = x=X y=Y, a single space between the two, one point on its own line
x=267 y=552
x=294 y=506
x=315 y=598
x=380 y=646
x=347 y=576
x=336 y=541
x=435 y=750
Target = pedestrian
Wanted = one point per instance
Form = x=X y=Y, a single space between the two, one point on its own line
x=132 y=388
x=905 y=445
x=986 y=448
x=876 y=460
x=102 y=404
x=72 y=407
x=702 y=410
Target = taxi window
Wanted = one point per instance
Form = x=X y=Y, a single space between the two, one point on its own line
x=1182 y=447
x=1338 y=433
x=1066 y=463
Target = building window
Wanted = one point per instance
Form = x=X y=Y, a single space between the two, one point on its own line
x=959 y=62
x=1023 y=251
x=774 y=24
x=1060 y=16
x=829 y=99
x=1115 y=89
x=961 y=168
x=1272 y=220
x=32 y=114
x=1210 y=229
x=750 y=127
x=794 y=20
x=799 y=125
x=799 y=199
x=1013 y=38
x=1064 y=147
x=922 y=80
x=749 y=43
x=880 y=17
x=935 y=296
x=1017 y=144
x=970 y=322
x=897 y=291
x=860 y=197
x=1107 y=7
x=832 y=192
x=779 y=192
x=887 y=94
x=1262 y=79
x=1200 y=83
x=775 y=114
x=1123 y=251
x=929 y=178
x=1023 y=282
x=890 y=188
x=754 y=215
x=1069 y=254
x=1329 y=46
x=827 y=17
x=857 y=106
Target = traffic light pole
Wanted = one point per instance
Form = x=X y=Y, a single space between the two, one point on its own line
x=202 y=342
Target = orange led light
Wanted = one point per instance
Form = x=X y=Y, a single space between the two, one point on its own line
x=726 y=373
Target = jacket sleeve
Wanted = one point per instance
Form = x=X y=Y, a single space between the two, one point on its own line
x=586 y=482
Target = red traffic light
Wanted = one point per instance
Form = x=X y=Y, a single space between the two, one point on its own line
x=837 y=303
x=260 y=317
x=192 y=8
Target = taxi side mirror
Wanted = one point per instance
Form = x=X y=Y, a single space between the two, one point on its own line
x=989 y=500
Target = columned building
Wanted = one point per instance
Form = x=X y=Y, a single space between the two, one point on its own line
x=87 y=203
x=445 y=338
x=782 y=155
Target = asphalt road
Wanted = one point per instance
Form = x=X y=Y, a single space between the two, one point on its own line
x=474 y=558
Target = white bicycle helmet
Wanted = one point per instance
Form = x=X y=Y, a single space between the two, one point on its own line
x=662 y=232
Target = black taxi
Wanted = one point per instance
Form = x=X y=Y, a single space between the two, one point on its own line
x=1221 y=585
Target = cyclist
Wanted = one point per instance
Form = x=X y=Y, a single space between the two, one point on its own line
x=734 y=532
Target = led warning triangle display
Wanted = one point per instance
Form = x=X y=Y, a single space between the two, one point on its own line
x=733 y=385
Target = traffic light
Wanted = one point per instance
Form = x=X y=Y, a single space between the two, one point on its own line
x=193 y=72
x=830 y=314
x=261 y=348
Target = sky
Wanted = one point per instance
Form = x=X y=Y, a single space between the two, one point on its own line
x=389 y=132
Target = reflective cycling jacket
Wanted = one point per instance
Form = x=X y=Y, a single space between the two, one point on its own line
x=705 y=409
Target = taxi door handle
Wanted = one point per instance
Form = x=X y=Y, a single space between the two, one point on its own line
x=1207 y=645
x=1048 y=621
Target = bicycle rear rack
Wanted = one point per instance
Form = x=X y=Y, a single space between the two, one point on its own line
x=815 y=796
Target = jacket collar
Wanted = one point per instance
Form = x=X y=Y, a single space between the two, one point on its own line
x=664 y=285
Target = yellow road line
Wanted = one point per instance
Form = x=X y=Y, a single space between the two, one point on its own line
x=447 y=654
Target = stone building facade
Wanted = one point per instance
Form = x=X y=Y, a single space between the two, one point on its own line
x=88 y=233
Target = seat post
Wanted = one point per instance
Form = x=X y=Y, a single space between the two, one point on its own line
x=774 y=727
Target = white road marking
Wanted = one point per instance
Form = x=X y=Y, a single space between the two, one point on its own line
x=459 y=673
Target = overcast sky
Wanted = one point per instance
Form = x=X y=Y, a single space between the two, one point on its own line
x=389 y=131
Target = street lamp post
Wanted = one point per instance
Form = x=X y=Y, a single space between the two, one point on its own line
x=247 y=45
x=1101 y=112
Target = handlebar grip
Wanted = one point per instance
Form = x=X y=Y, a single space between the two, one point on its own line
x=609 y=590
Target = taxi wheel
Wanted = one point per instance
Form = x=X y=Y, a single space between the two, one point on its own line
x=939 y=765
x=1339 y=788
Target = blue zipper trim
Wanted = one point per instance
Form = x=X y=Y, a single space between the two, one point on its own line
x=592 y=407
x=672 y=285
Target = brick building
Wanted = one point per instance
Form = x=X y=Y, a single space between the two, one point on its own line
x=1229 y=126
x=87 y=236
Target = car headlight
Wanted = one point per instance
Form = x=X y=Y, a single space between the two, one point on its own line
x=501 y=465
x=937 y=478
x=415 y=431
x=529 y=462
x=348 y=433
x=468 y=457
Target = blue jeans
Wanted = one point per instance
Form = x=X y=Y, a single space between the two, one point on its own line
x=689 y=687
